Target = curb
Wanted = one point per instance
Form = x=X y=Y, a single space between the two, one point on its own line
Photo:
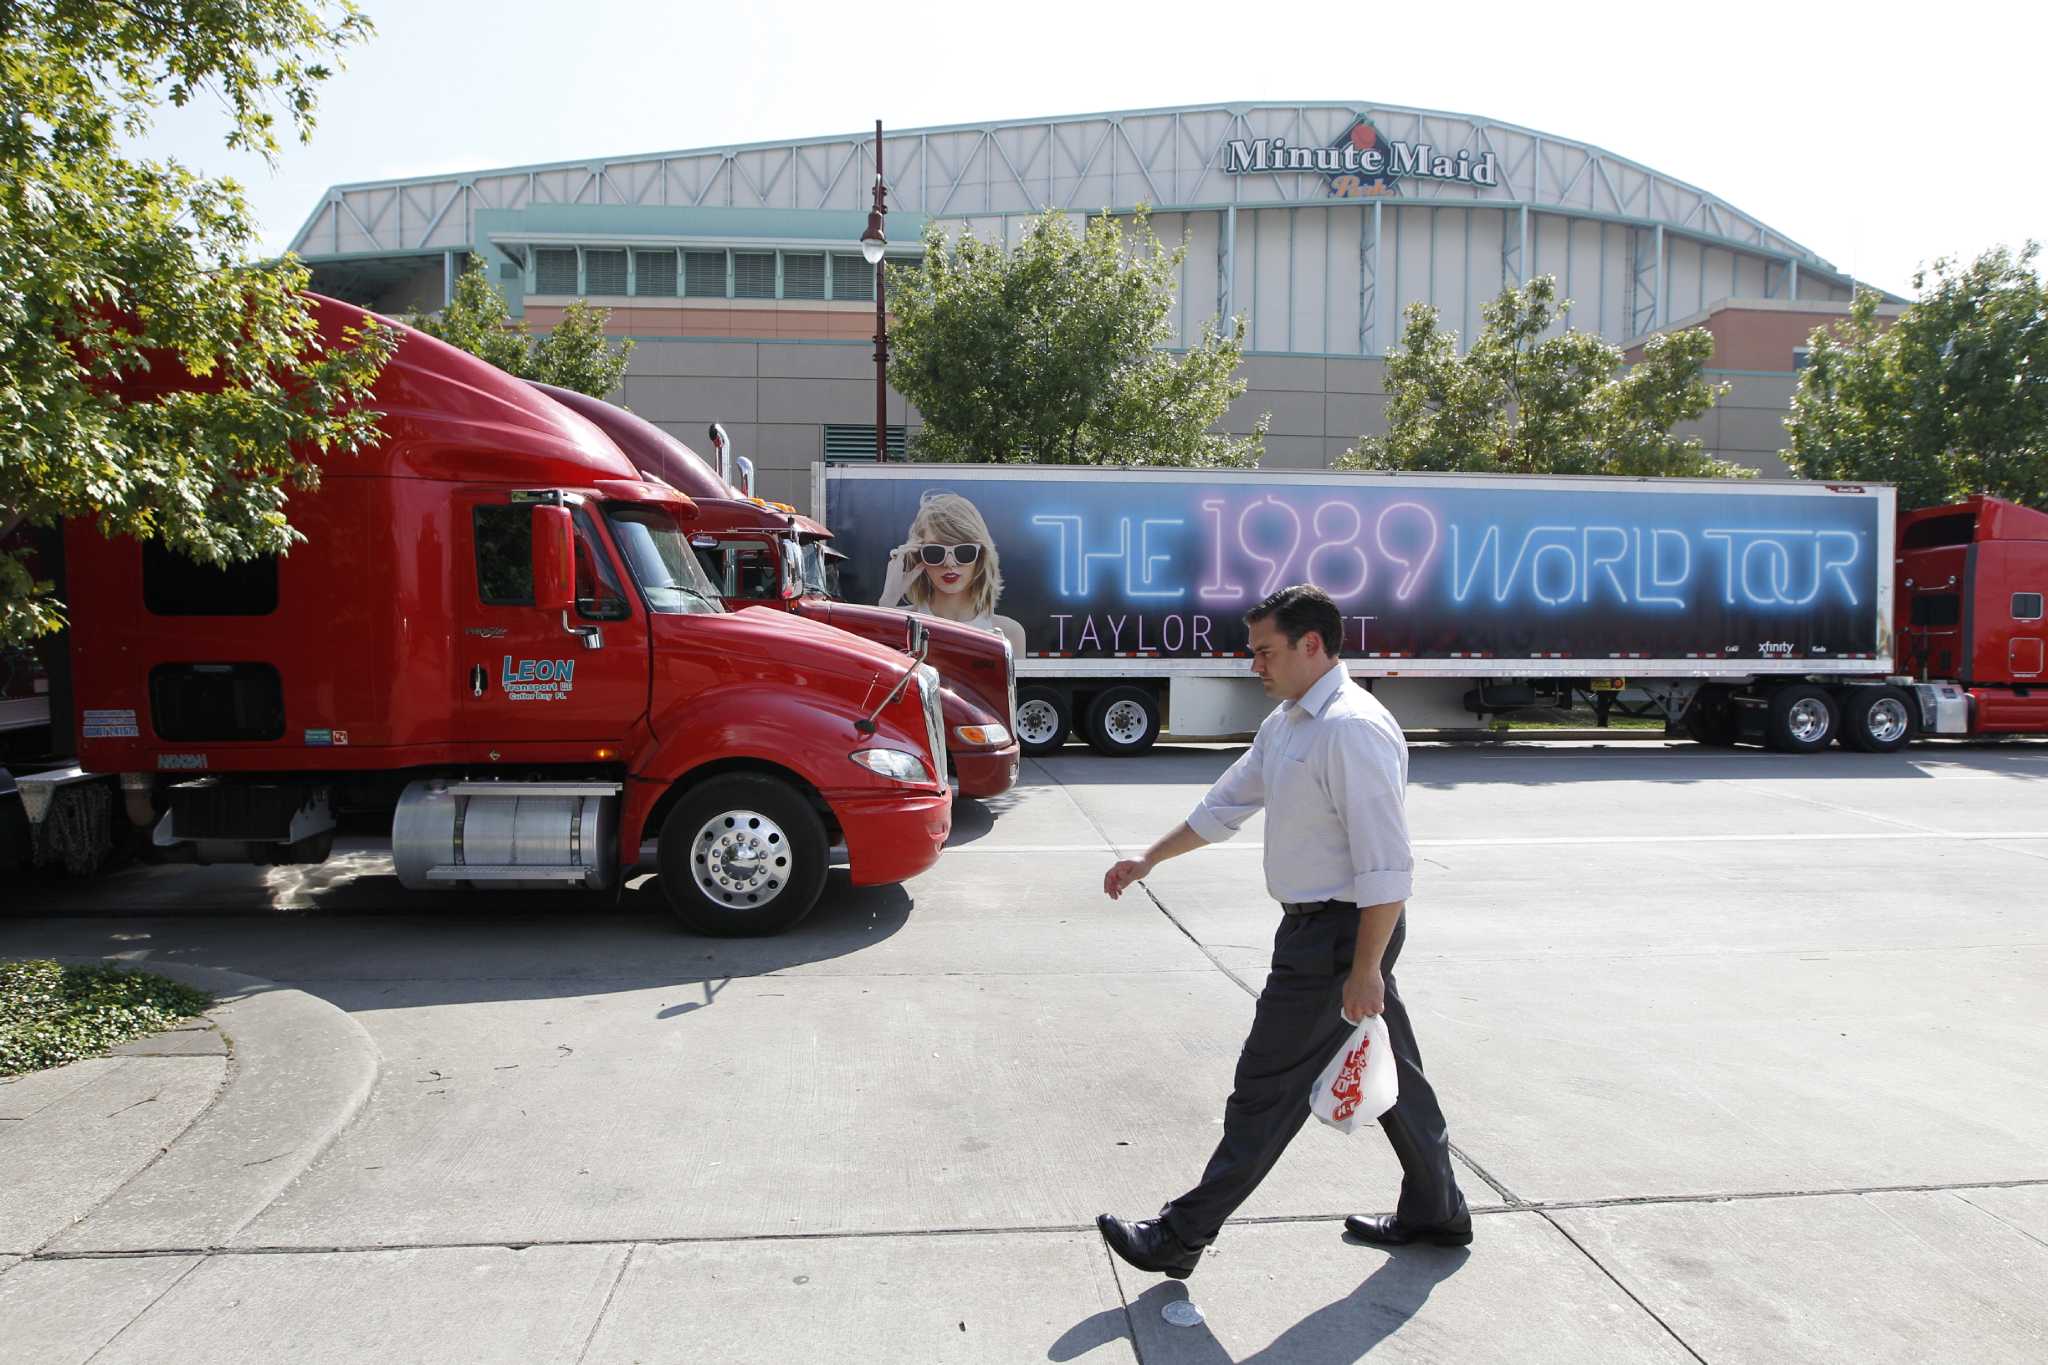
x=302 y=1070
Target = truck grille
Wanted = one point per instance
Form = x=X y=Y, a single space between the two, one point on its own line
x=1010 y=681
x=934 y=717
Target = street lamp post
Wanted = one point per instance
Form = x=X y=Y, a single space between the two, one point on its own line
x=872 y=244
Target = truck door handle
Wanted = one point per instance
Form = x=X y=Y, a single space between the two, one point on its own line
x=591 y=636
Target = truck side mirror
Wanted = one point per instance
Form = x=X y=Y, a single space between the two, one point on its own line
x=554 y=558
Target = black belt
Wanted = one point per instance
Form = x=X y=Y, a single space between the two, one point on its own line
x=1316 y=907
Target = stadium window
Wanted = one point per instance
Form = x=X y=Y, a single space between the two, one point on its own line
x=753 y=274
x=704 y=274
x=803 y=275
x=604 y=271
x=853 y=278
x=654 y=274
x=554 y=270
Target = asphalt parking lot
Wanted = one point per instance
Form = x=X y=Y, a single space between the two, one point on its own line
x=1743 y=1056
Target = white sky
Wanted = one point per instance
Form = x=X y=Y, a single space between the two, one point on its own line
x=1878 y=135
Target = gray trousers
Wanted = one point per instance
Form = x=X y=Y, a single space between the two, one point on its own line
x=1297 y=1028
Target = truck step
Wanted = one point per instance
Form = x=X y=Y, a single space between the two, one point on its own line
x=508 y=872
x=534 y=788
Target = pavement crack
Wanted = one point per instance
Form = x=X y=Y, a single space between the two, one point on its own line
x=147 y=1099
x=1514 y=1200
x=1618 y=1283
x=1999 y=1218
x=604 y=1309
x=198 y=1259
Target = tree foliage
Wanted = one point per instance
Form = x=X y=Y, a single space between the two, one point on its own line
x=1950 y=400
x=1532 y=397
x=1054 y=352
x=577 y=354
x=116 y=266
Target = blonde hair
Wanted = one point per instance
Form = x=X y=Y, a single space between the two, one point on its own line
x=949 y=519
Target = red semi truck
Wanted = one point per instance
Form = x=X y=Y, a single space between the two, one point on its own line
x=497 y=631
x=761 y=554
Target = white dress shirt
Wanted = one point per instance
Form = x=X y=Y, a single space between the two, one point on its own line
x=1331 y=771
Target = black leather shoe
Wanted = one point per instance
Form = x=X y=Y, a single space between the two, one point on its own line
x=1386 y=1230
x=1149 y=1245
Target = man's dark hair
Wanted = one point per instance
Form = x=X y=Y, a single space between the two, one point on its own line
x=1301 y=610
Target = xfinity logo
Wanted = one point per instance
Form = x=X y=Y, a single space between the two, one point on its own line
x=1360 y=161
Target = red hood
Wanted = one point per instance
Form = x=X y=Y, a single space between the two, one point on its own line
x=646 y=445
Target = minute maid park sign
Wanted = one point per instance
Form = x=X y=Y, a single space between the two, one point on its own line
x=1360 y=163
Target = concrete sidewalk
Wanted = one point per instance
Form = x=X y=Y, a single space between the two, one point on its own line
x=1743 y=1058
x=177 y=1141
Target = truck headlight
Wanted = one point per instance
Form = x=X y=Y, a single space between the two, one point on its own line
x=982 y=736
x=896 y=764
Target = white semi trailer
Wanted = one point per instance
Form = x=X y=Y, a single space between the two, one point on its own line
x=1758 y=609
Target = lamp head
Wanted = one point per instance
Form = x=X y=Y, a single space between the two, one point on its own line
x=872 y=241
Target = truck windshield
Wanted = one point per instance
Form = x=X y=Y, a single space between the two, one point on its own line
x=658 y=554
x=808 y=566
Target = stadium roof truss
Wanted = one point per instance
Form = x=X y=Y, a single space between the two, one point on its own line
x=1170 y=159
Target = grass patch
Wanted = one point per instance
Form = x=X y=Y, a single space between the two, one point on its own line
x=51 y=1014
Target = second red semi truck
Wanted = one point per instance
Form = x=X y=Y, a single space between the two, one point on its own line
x=497 y=632
x=762 y=554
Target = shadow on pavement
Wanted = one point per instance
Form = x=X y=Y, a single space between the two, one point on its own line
x=373 y=944
x=1337 y=1334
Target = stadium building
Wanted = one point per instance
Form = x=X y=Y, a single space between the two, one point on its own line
x=738 y=268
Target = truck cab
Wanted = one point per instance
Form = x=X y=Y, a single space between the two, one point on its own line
x=764 y=554
x=1972 y=578
x=496 y=630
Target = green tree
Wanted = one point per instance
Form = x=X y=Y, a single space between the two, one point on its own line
x=116 y=265
x=577 y=354
x=1528 y=398
x=1950 y=400
x=1055 y=352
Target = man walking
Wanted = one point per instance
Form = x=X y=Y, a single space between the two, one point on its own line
x=1330 y=767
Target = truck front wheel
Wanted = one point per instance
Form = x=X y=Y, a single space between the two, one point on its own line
x=742 y=856
x=1124 y=720
x=1877 y=720
x=1043 y=720
x=1802 y=719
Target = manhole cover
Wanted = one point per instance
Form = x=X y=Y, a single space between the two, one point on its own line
x=1182 y=1313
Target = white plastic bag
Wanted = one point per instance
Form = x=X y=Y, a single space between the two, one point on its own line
x=1359 y=1083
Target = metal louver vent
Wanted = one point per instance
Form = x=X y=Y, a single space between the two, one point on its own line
x=852 y=278
x=554 y=270
x=604 y=272
x=753 y=274
x=654 y=274
x=847 y=443
x=803 y=276
x=704 y=274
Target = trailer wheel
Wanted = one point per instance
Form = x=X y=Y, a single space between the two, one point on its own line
x=742 y=856
x=1043 y=720
x=1124 y=720
x=1877 y=720
x=1711 y=721
x=1802 y=719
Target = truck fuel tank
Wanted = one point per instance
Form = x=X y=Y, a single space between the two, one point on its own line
x=513 y=835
